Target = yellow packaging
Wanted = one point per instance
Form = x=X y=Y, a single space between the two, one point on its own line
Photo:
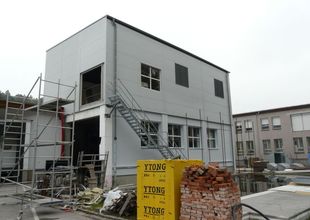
x=158 y=188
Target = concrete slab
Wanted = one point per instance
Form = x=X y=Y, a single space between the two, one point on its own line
x=277 y=204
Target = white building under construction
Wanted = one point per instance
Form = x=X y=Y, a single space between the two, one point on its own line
x=140 y=97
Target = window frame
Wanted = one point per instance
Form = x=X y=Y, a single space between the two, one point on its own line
x=275 y=126
x=192 y=138
x=248 y=150
x=267 y=146
x=150 y=77
x=276 y=142
x=299 y=147
x=82 y=89
x=238 y=145
x=246 y=123
x=212 y=139
x=238 y=127
x=299 y=121
x=264 y=127
x=308 y=143
x=173 y=137
x=151 y=133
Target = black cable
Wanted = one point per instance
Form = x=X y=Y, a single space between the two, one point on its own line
x=235 y=207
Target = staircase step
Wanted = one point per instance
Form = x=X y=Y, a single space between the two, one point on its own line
x=13 y=132
x=6 y=138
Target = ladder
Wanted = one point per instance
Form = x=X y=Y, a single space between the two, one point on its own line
x=12 y=140
x=141 y=124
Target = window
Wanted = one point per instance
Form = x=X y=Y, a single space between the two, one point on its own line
x=91 y=85
x=212 y=143
x=152 y=129
x=248 y=124
x=278 y=145
x=276 y=123
x=174 y=135
x=181 y=75
x=218 y=87
x=240 y=150
x=150 y=77
x=238 y=127
x=265 y=124
x=298 y=145
x=308 y=144
x=301 y=122
x=267 y=146
x=250 y=147
x=193 y=137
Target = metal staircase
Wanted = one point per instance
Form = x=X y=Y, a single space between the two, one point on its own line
x=138 y=120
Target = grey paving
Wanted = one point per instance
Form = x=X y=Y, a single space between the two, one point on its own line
x=9 y=210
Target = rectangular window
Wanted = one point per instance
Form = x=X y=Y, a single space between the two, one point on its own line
x=308 y=144
x=248 y=124
x=212 y=140
x=250 y=147
x=276 y=123
x=181 y=75
x=151 y=129
x=193 y=137
x=301 y=122
x=150 y=77
x=240 y=150
x=91 y=85
x=265 y=124
x=278 y=145
x=298 y=145
x=238 y=127
x=174 y=135
x=267 y=146
x=218 y=88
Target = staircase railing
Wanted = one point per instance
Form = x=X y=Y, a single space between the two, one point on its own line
x=138 y=112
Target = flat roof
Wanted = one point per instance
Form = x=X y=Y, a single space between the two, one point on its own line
x=281 y=109
x=148 y=35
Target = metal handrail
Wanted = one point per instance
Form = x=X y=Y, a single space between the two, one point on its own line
x=126 y=97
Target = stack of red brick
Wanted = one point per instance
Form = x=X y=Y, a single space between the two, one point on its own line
x=208 y=192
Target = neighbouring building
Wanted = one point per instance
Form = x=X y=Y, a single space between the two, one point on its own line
x=280 y=135
x=179 y=98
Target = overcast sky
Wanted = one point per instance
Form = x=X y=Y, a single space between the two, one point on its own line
x=265 y=44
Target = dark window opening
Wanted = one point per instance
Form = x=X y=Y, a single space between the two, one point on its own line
x=181 y=75
x=87 y=137
x=219 y=89
x=91 y=85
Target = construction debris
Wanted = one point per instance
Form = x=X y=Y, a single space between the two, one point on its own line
x=90 y=197
x=208 y=192
x=121 y=200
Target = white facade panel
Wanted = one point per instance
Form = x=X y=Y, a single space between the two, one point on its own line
x=122 y=50
x=82 y=51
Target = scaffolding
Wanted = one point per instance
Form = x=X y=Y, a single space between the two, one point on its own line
x=36 y=154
